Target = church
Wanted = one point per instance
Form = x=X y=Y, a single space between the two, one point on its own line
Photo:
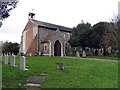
x=42 y=38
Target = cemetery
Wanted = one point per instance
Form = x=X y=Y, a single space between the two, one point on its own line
x=57 y=72
x=55 y=56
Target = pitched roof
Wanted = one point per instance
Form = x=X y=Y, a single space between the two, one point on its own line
x=53 y=26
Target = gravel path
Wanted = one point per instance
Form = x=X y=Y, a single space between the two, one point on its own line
x=106 y=60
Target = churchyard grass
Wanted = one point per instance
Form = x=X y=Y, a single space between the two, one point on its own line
x=77 y=73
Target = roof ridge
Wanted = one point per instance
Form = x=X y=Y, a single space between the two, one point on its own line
x=51 y=25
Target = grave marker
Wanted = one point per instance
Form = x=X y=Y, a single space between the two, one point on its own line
x=12 y=61
x=84 y=53
x=6 y=59
x=35 y=81
x=60 y=65
x=77 y=53
x=23 y=63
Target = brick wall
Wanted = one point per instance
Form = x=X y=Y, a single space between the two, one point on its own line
x=33 y=49
x=29 y=34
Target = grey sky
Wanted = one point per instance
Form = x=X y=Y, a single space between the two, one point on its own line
x=62 y=12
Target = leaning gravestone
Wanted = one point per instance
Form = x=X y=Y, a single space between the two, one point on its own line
x=84 y=53
x=23 y=63
x=6 y=59
x=12 y=61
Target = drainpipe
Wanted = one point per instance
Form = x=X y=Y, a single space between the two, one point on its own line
x=38 y=42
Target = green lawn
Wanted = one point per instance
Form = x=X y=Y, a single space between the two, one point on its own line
x=77 y=74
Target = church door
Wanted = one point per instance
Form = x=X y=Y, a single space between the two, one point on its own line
x=57 y=48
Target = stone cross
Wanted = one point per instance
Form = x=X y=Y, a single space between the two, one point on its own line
x=6 y=59
x=12 y=61
x=23 y=63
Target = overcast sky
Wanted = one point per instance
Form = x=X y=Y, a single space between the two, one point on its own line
x=67 y=13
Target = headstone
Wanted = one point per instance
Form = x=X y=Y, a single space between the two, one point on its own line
x=60 y=65
x=6 y=59
x=109 y=50
x=30 y=54
x=35 y=81
x=100 y=51
x=23 y=63
x=84 y=53
x=12 y=61
x=77 y=53
x=39 y=53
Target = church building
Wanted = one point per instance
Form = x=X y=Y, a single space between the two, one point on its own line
x=42 y=38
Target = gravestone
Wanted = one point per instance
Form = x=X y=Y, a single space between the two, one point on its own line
x=12 y=61
x=35 y=81
x=60 y=65
x=109 y=50
x=39 y=53
x=23 y=63
x=6 y=59
x=100 y=51
x=84 y=53
x=77 y=53
x=30 y=54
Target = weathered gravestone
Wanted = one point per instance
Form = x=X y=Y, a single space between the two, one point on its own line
x=35 y=81
x=60 y=65
x=6 y=59
x=84 y=53
x=100 y=51
x=23 y=63
x=77 y=53
x=12 y=61
x=109 y=50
